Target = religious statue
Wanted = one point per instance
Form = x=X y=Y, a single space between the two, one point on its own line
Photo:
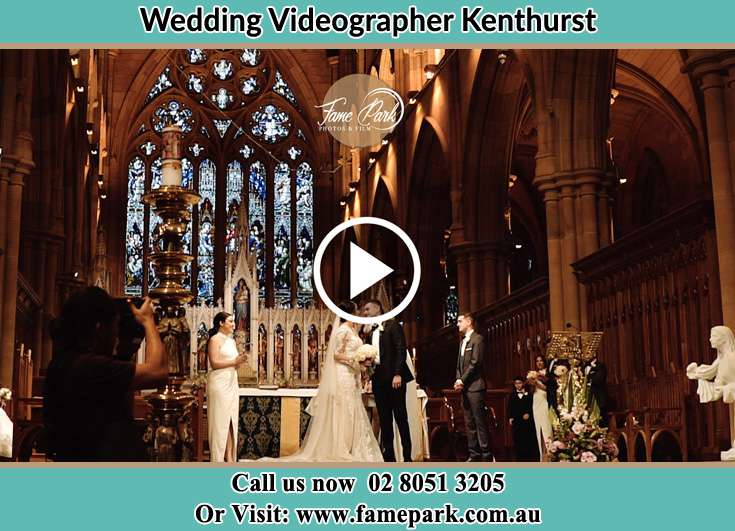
x=175 y=336
x=717 y=381
x=241 y=305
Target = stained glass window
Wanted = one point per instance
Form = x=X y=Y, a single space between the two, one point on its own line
x=271 y=123
x=196 y=56
x=162 y=84
x=304 y=233
x=222 y=69
x=175 y=112
x=195 y=84
x=205 y=254
x=246 y=151
x=249 y=85
x=281 y=87
x=238 y=90
x=134 y=228
x=250 y=56
x=154 y=221
x=222 y=98
x=234 y=197
x=148 y=148
x=294 y=152
x=256 y=219
x=222 y=126
x=282 y=235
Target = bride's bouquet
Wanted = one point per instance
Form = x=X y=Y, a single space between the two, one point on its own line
x=365 y=359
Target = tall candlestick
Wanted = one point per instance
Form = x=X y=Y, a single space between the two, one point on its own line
x=171 y=158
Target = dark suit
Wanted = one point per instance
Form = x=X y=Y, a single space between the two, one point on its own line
x=597 y=380
x=469 y=370
x=551 y=384
x=524 y=431
x=391 y=403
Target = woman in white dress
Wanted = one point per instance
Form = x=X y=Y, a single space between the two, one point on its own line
x=339 y=429
x=538 y=378
x=223 y=399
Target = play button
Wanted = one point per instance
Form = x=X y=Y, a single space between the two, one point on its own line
x=365 y=270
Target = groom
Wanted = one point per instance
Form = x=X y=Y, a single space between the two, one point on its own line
x=389 y=380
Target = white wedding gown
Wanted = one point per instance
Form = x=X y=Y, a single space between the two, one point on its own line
x=223 y=402
x=339 y=429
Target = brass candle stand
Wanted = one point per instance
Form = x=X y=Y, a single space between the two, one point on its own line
x=168 y=432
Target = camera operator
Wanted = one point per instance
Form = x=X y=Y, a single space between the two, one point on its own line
x=88 y=395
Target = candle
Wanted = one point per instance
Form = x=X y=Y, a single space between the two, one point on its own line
x=171 y=163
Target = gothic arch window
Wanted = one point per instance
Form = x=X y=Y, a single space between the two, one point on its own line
x=248 y=152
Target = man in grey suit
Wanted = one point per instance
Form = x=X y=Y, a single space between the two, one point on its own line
x=471 y=382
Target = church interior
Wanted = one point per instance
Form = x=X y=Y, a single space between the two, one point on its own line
x=546 y=190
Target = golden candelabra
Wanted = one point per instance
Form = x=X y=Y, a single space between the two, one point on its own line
x=168 y=431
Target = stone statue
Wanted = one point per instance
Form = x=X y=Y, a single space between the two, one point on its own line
x=717 y=381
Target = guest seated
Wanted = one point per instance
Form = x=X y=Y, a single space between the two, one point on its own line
x=88 y=395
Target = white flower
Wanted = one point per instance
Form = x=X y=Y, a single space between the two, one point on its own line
x=366 y=351
x=588 y=457
x=578 y=428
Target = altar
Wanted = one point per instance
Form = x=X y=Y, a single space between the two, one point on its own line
x=273 y=423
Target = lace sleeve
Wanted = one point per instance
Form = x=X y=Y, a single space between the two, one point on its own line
x=340 y=341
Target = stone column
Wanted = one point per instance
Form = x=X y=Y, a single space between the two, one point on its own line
x=23 y=155
x=712 y=87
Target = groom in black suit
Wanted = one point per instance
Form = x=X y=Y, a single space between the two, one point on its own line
x=389 y=380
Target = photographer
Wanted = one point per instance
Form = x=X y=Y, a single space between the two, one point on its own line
x=88 y=395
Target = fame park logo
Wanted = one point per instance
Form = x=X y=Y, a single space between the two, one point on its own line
x=359 y=110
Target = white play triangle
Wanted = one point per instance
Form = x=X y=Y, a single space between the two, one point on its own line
x=365 y=270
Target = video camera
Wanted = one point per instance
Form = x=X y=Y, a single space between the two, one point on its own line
x=131 y=333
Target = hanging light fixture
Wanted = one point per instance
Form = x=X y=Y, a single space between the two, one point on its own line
x=353 y=186
x=385 y=141
x=90 y=128
x=614 y=93
x=430 y=71
x=80 y=86
x=94 y=148
x=74 y=60
x=502 y=57
x=412 y=95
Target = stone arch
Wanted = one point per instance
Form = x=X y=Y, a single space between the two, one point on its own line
x=666 y=446
x=429 y=214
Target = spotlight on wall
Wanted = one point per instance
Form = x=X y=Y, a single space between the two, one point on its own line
x=502 y=57
x=90 y=128
x=614 y=93
x=430 y=71
x=80 y=86
x=412 y=95
x=74 y=60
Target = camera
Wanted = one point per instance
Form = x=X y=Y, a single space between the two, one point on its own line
x=130 y=332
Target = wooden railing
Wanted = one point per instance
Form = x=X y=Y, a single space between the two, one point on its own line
x=655 y=295
x=515 y=329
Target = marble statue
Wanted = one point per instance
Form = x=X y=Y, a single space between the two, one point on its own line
x=717 y=381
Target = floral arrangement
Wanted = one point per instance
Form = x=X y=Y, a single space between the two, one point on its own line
x=5 y=396
x=365 y=359
x=577 y=437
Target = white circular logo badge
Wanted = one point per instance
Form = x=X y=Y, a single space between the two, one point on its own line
x=359 y=110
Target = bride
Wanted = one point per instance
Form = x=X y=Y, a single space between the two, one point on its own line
x=339 y=429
